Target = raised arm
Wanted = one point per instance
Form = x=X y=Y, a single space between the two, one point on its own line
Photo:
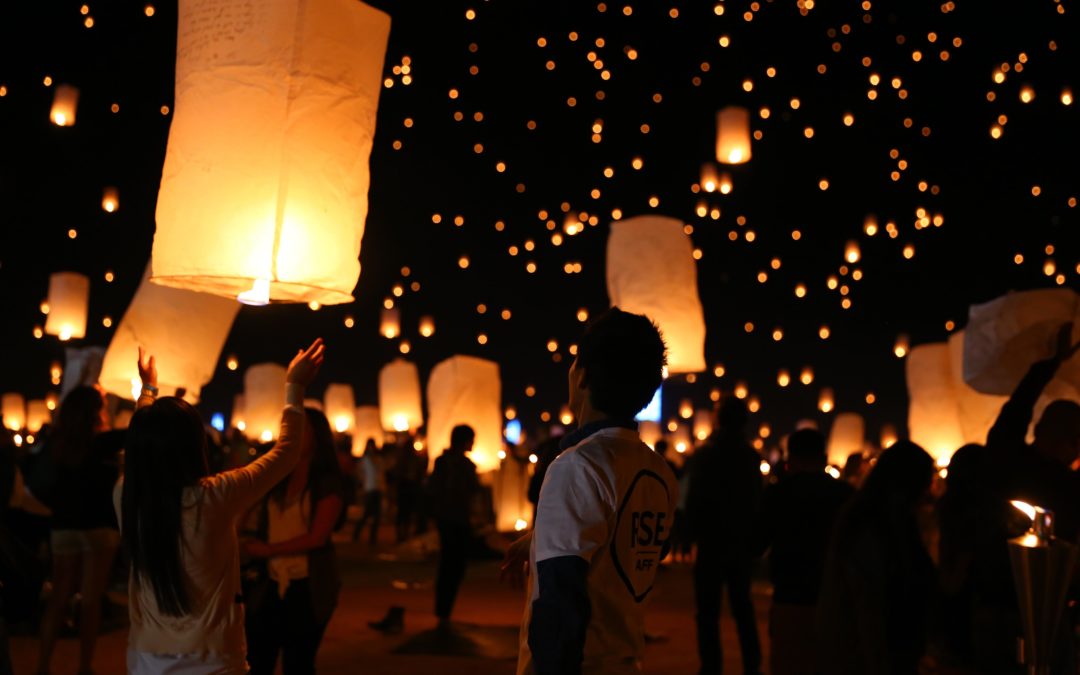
x=148 y=376
x=1010 y=428
x=242 y=487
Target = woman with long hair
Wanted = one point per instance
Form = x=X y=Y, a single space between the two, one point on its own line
x=879 y=578
x=300 y=591
x=83 y=536
x=179 y=528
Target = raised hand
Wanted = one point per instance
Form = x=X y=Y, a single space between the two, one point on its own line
x=516 y=563
x=147 y=369
x=1065 y=347
x=305 y=365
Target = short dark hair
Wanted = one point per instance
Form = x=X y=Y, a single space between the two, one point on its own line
x=806 y=445
x=623 y=357
x=732 y=414
x=461 y=435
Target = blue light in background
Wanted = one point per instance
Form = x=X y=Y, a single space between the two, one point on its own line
x=651 y=413
x=513 y=431
x=218 y=421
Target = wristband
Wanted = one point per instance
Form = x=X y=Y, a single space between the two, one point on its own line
x=150 y=389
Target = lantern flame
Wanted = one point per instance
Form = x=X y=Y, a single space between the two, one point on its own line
x=258 y=295
x=341 y=424
x=401 y=423
x=520 y=525
x=1027 y=509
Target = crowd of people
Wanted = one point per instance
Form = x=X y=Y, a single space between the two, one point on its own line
x=891 y=568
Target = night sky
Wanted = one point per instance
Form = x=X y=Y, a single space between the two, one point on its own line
x=930 y=120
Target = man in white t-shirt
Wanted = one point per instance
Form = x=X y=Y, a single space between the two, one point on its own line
x=605 y=512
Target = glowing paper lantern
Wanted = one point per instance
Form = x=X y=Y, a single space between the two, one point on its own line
x=888 y=436
x=510 y=495
x=427 y=326
x=264 y=399
x=733 y=135
x=902 y=346
x=710 y=179
x=826 y=400
x=340 y=407
x=466 y=390
x=390 y=323
x=264 y=188
x=703 y=424
x=977 y=412
x=82 y=368
x=110 y=200
x=184 y=330
x=1005 y=336
x=933 y=414
x=566 y=416
x=399 y=396
x=368 y=427
x=650 y=432
x=651 y=271
x=37 y=415
x=846 y=438
x=69 y=293
x=13 y=410
x=236 y=419
x=65 y=102
x=681 y=441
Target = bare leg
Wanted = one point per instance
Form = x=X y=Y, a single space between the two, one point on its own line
x=64 y=576
x=96 y=567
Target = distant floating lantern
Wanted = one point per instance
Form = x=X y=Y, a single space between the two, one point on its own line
x=900 y=349
x=264 y=188
x=368 y=427
x=566 y=416
x=390 y=323
x=826 y=401
x=686 y=409
x=264 y=399
x=110 y=200
x=237 y=419
x=37 y=415
x=466 y=390
x=13 y=410
x=733 y=135
x=339 y=404
x=510 y=497
x=888 y=436
x=399 y=396
x=650 y=432
x=703 y=424
x=725 y=185
x=651 y=271
x=69 y=293
x=427 y=326
x=65 y=102
x=710 y=179
x=933 y=415
x=846 y=438
x=184 y=330
x=783 y=378
x=852 y=252
x=681 y=441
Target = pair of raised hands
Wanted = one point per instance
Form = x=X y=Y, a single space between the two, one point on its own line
x=303 y=369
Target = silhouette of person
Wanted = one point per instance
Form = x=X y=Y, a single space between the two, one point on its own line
x=797 y=517
x=722 y=503
x=451 y=490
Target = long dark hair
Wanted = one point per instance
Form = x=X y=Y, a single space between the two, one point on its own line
x=324 y=472
x=165 y=453
x=79 y=419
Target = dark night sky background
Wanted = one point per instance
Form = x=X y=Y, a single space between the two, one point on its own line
x=51 y=179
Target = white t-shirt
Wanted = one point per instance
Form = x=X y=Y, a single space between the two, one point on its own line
x=609 y=500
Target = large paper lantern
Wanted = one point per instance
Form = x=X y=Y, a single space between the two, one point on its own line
x=65 y=103
x=846 y=438
x=399 y=396
x=1005 y=336
x=651 y=271
x=733 y=135
x=69 y=293
x=264 y=188
x=184 y=330
x=466 y=390
x=510 y=494
x=264 y=399
x=339 y=404
x=933 y=414
x=13 y=410
x=368 y=427
x=82 y=367
x=37 y=415
x=977 y=411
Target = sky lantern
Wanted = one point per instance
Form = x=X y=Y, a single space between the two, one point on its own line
x=368 y=427
x=826 y=400
x=710 y=179
x=888 y=436
x=264 y=188
x=390 y=323
x=651 y=271
x=427 y=326
x=686 y=409
x=37 y=415
x=184 y=330
x=933 y=415
x=846 y=438
x=510 y=494
x=733 y=135
x=1006 y=335
x=13 y=410
x=238 y=417
x=466 y=390
x=264 y=399
x=69 y=293
x=852 y=252
x=703 y=424
x=902 y=346
x=339 y=404
x=977 y=411
x=110 y=200
x=82 y=367
x=681 y=441
x=65 y=102
x=399 y=396
x=650 y=432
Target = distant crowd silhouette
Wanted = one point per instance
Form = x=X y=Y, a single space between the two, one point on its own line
x=895 y=567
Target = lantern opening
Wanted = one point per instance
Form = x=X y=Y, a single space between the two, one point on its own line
x=258 y=295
